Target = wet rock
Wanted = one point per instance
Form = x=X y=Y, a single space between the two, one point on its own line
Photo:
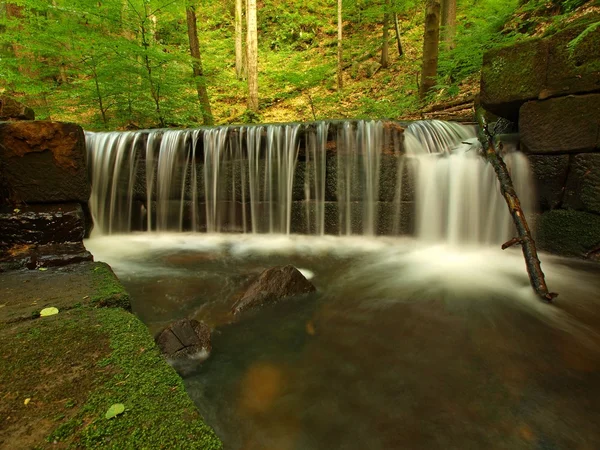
x=550 y=175
x=569 y=233
x=41 y=224
x=10 y=109
x=43 y=162
x=33 y=256
x=583 y=183
x=185 y=339
x=273 y=285
x=560 y=125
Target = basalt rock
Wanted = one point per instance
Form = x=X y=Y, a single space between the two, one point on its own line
x=273 y=285
x=10 y=109
x=185 y=339
x=43 y=162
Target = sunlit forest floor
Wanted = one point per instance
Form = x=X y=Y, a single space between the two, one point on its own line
x=297 y=63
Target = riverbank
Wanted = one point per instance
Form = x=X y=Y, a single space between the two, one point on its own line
x=60 y=374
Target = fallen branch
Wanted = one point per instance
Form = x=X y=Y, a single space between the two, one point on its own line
x=462 y=102
x=510 y=243
x=536 y=276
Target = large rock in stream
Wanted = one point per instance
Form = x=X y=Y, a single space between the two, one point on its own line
x=185 y=339
x=273 y=285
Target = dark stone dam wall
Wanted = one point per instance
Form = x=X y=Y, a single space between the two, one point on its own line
x=551 y=86
x=44 y=189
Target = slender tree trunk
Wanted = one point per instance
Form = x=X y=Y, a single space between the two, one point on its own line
x=449 y=22
x=239 y=48
x=431 y=39
x=398 y=41
x=207 y=117
x=340 y=68
x=252 y=55
x=385 y=44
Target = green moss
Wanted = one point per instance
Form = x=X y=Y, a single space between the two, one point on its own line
x=107 y=289
x=158 y=413
x=568 y=232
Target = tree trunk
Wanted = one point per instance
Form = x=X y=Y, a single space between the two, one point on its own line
x=384 y=44
x=431 y=39
x=239 y=50
x=252 y=55
x=398 y=41
x=207 y=117
x=340 y=78
x=449 y=22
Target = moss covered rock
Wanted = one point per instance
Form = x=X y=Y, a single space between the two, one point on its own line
x=567 y=62
x=568 y=232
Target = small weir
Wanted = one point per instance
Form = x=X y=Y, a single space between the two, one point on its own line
x=422 y=334
x=342 y=178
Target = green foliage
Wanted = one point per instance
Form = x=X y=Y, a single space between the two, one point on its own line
x=477 y=33
x=579 y=39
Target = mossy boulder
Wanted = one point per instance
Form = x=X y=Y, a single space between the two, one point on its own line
x=568 y=232
x=512 y=75
x=541 y=68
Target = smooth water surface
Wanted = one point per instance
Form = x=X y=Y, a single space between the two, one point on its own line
x=403 y=346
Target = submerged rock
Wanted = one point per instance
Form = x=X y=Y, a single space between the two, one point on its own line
x=273 y=285
x=185 y=339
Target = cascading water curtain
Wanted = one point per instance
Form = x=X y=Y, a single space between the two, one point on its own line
x=316 y=178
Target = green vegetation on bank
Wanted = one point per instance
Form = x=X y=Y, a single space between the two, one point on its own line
x=60 y=374
x=117 y=65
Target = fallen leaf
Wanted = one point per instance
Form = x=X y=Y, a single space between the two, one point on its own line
x=27 y=400
x=48 y=311
x=115 y=410
x=17 y=210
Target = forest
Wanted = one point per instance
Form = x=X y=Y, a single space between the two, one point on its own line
x=128 y=64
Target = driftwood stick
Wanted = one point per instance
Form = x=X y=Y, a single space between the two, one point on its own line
x=510 y=243
x=536 y=276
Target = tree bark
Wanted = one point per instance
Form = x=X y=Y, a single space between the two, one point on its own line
x=532 y=262
x=252 y=55
x=340 y=71
x=397 y=29
x=239 y=50
x=385 y=45
x=207 y=117
x=431 y=39
x=449 y=22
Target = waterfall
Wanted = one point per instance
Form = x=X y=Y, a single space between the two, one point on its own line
x=339 y=177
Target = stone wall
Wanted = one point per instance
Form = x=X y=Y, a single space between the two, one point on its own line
x=553 y=89
x=44 y=190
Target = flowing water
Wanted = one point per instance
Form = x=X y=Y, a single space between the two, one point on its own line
x=429 y=340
